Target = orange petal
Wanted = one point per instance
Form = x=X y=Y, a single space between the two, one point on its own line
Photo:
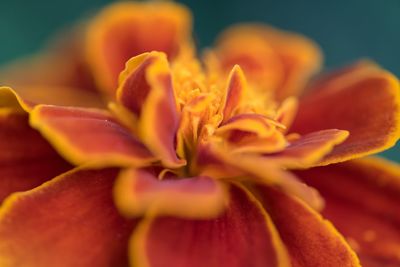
x=138 y=192
x=234 y=92
x=242 y=236
x=146 y=90
x=127 y=29
x=27 y=160
x=363 y=201
x=89 y=136
x=311 y=240
x=69 y=221
x=272 y=59
x=364 y=100
x=28 y=96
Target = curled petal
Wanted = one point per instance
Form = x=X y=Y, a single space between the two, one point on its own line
x=27 y=160
x=139 y=192
x=310 y=240
x=69 y=221
x=89 y=136
x=242 y=236
x=127 y=29
x=363 y=201
x=146 y=89
x=362 y=99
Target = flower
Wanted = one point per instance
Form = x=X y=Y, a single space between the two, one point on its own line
x=161 y=159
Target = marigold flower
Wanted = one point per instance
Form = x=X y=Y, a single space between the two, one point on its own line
x=119 y=147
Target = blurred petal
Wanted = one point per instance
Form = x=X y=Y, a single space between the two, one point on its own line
x=127 y=29
x=69 y=221
x=89 y=136
x=310 y=240
x=272 y=58
x=242 y=236
x=28 y=96
x=363 y=201
x=10 y=100
x=364 y=100
x=26 y=159
x=139 y=192
x=62 y=64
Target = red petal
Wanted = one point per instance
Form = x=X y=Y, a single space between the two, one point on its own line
x=364 y=100
x=139 y=192
x=128 y=29
x=26 y=159
x=243 y=236
x=363 y=201
x=311 y=241
x=146 y=89
x=70 y=221
x=89 y=136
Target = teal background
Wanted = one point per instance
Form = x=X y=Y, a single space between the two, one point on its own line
x=345 y=29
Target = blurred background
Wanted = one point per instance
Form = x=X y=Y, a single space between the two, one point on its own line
x=345 y=29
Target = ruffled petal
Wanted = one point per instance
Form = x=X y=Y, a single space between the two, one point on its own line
x=69 y=221
x=310 y=240
x=26 y=159
x=146 y=90
x=363 y=99
x=363 y=201
x=242 y=236
x=89 y=136
x=272 y=60
x=127 y=29
x=139 y=192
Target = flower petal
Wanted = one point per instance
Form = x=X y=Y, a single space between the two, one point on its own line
x=60 y=65
x=243 y=236
x=363 y=201
x=27 y=160
x=311 y=241
x=364 y=100
x=234 y=92
x=89 y=136
x=273 y=59
x=126 y=29
x=139 y=192
x=69 y=221
x=146 y=89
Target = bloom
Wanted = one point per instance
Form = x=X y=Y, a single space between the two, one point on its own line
x=179 y=163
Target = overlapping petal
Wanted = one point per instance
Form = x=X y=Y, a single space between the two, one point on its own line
x=139 y=192
x=26 y=159
x=362 y=99
x=273 y=60
x=363 y=201
x=128 y=29
x=69 y=221
x=89 y=136
x=242 y=236
x=310 y=240
x=146 y=90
